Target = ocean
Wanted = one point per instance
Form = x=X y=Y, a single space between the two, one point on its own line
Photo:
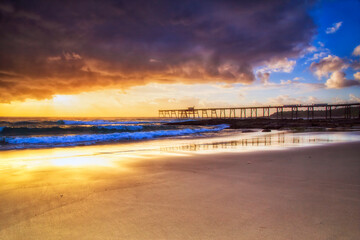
x=28 y=133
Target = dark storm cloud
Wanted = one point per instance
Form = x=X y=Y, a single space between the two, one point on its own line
x=59 y=47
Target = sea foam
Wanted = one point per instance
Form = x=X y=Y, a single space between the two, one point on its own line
x=110 y=137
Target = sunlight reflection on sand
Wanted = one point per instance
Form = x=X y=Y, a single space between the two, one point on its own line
x=122 y=186
x=118 y=155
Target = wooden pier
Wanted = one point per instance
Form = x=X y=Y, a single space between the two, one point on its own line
x=278 y=112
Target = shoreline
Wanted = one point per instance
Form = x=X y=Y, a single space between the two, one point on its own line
x=235 y=136
x=276 y=124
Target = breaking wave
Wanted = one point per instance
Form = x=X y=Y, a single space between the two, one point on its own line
x=83 y=122
x=88 y=139
x=15 y=131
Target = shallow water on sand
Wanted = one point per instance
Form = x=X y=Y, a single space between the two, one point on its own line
x=114 y=155
x=73 y=190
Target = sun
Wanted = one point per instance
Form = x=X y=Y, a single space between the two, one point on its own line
x=63 y=99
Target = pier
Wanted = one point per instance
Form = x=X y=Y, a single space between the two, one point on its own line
x=323 y=110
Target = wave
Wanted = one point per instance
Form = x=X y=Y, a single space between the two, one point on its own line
x=14 y=131
x=73 y=122
x=73 y=140
x=85 y=122
x=10 y=123
x=94 y=122
x=110 y=122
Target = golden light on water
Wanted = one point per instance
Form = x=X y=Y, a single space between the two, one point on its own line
x=61 y=157
x=119 y=155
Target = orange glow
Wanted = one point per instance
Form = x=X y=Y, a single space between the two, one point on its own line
x=143 y=101
x=106 y=103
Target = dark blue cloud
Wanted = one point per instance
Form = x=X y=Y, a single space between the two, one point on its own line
x=127 y=43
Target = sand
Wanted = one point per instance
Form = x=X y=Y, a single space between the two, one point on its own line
x=298 y=193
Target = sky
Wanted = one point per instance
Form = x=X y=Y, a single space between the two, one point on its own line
x=131 y=58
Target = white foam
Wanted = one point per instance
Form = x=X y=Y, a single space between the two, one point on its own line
x=95 y=122
x=126 y=127
x=106 y=122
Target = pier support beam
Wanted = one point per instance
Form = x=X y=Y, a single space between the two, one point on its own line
x=243 y=113
x=214 y=113
x=183 y=114
x=173 y=113
x=328 y=112
x=222 y=113
x=232 y=113
x=347 y=112
x=204 y=113
x=266 y=112
x=294 y=112
x=279 y=110
x=312 y=112
x=253 y=111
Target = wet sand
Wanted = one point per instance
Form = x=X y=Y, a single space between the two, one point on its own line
x=297 y=193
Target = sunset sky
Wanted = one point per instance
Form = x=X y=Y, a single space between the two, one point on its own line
x=131 y=58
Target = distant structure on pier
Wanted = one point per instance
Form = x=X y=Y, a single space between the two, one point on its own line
x=323 y=110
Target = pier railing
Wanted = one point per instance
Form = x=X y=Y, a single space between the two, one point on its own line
x=327 y=111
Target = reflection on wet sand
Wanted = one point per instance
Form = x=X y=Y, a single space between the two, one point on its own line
x=125 y=191
x=269 y=141
x=119 y=155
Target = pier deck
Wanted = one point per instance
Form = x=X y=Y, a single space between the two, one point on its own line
x=278 y=112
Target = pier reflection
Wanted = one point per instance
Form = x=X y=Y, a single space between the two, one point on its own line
x=272 y=141
x=120 y=156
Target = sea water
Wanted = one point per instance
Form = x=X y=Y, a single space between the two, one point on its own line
x=155 y=133
x=27 y=133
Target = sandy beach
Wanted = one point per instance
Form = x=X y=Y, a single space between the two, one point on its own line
x=180 y=120
x=296 y=193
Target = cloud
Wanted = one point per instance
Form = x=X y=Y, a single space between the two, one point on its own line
x=317 y=56
x=311 y=49
x=328 y=65
x=312 y=99
x=279 y=65
x=286 y=99
x=264 y=77
x=353 y=98
x=152 y=60
x=54 y=58
x=67 y=56
x=357 y=76
x=72 y=47
x=285 y=85
x=286 y=82
x=274 y=65
x=335 y=27
x=355 y=65
x=335 y=66
x=319 y=52
x=338 y=80
x=71 y=56
x=356 y=51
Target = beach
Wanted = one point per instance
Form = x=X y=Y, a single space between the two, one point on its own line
x=180 y=120
x=289 y=193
